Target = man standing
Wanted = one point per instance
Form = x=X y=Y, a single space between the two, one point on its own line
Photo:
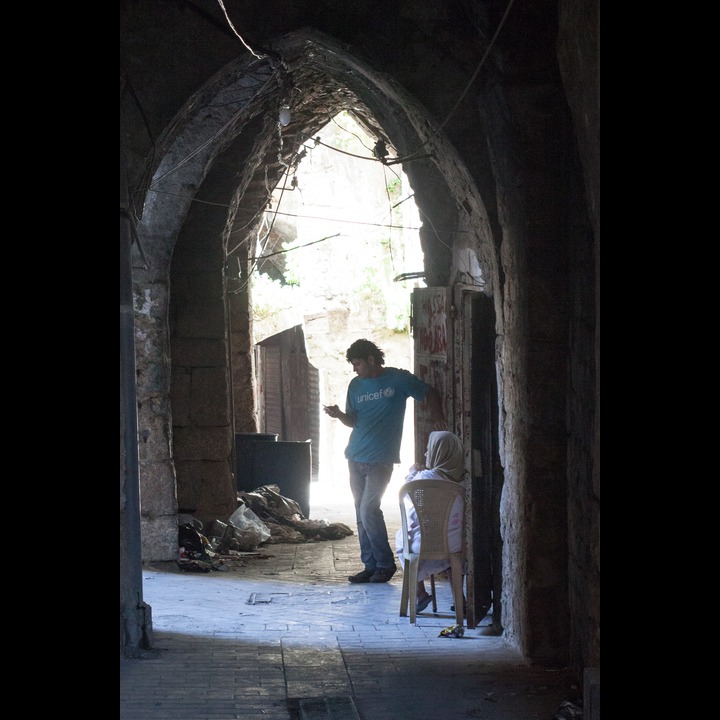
x=375 y=410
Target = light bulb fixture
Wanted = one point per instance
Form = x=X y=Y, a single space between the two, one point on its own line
x=380 y=151
x=284 y=116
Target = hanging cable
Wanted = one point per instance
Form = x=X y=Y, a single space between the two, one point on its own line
x=214 y=136
x=377 y=151
x=298 y=247
x=232 y=27
x=472 y=78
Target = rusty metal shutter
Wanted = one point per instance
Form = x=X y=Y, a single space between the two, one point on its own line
x=272 y=387
x=289 y=391
x=314 y=418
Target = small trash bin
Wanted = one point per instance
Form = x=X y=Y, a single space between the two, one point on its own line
x=244 y=444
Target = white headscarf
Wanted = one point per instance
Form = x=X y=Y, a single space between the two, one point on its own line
x=445 y=455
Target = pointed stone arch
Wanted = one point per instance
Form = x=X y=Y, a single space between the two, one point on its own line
x=215 y=166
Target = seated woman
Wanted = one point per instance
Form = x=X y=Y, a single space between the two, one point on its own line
x=444 y=460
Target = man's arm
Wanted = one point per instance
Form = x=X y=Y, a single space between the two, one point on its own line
x=335 y=412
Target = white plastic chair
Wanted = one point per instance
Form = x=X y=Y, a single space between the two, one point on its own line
x=433 y=501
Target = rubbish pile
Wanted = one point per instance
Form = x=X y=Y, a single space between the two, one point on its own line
x=569 y=710
x=263 y=517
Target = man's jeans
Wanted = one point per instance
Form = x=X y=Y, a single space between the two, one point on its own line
x=368 y=482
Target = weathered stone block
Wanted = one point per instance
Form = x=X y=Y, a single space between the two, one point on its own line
x=206 y=443
x=159 y=538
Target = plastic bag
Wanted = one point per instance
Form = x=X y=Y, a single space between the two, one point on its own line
x=245 y=519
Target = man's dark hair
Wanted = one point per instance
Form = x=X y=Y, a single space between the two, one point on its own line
x=363 y=349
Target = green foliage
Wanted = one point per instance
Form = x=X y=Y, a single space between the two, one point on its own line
x=394 y=188
x=355 y=266
x=271 y=296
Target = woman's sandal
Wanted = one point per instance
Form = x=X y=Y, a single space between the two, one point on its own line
x=422 y=604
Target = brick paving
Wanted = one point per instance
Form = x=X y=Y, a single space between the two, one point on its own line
x=285 y=636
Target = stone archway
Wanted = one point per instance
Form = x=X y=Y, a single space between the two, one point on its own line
x=202 y=192
x=520 y=132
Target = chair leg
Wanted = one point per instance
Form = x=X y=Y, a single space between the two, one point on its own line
x=433 y=593
x=457 y=589
x=405 y=595
x=412 y=589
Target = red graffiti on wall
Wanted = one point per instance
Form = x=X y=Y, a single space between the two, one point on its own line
x=433 y=336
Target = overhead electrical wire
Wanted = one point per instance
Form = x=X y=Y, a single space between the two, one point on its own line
x=379 y=152
x=378 y=157
x=297 y=247
x=214 y=136
x=311 y=217
x=260 y=57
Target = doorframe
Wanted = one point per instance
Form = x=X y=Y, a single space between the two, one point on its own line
x=476 y=417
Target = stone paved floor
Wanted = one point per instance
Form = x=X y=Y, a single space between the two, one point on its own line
x=286 y=637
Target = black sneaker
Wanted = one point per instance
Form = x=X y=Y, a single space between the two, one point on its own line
x=362 y=577
x=383 y=574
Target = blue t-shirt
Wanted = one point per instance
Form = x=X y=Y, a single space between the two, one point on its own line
x=378 y=405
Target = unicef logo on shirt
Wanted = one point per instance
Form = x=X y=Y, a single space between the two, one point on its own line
x=377 y=395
